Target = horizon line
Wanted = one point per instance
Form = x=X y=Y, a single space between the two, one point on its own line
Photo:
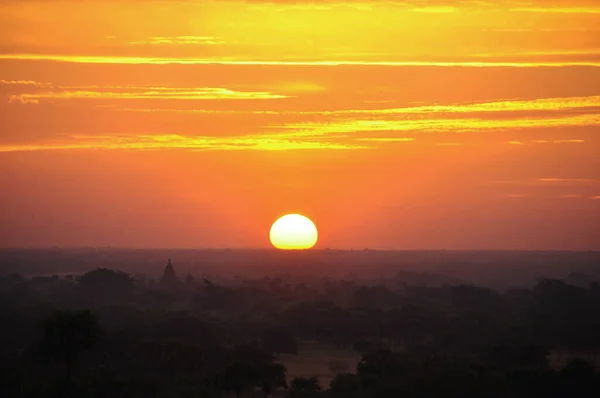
x=229 y=249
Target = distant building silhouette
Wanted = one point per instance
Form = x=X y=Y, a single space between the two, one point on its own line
x=189 y=279
x=169 y=277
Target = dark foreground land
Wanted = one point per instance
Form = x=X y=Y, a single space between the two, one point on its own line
x=347 y=324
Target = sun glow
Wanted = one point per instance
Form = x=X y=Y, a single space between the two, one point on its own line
x=293 y=232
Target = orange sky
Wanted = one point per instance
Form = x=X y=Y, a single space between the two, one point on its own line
x=400 y=125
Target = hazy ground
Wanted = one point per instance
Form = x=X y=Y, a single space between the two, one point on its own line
x=496 y=269
x=323 y=362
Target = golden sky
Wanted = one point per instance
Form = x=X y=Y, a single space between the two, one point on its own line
x=391 y=124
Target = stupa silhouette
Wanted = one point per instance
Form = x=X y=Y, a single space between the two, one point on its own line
x=169 y=276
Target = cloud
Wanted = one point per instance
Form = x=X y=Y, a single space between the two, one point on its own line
x=137 y=92
x=589 y=104
x=192 y=143
x=435 y=9
x=558 y=141
x=550 y=181
x=18 y=90
x=292 y=32
x=541 y=104
x=573 y=141
x=25 y=83
x=558 y=10
x=355 y=128
x=180 y=40
x=465 y=125
x=470 y=61
x=21 y=99
x=386 y=139
x=568 y=180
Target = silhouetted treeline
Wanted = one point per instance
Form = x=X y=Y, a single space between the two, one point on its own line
x=495 y=269
x=108 y=334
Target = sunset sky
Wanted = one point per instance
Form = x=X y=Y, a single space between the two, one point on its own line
x=442 y=124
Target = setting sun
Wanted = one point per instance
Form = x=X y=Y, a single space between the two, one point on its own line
x=194 y=123
x=293 y=232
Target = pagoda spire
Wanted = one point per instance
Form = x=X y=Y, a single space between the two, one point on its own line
x=169 y=276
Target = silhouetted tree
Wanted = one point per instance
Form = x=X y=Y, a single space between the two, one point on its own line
x=578 y=379
x=302 y=387
x=347 y=385
x=272 y=376
x=107 y=285
x=238 y=377
x=67 y=335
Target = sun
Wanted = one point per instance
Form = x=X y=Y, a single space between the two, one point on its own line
x=293 y=232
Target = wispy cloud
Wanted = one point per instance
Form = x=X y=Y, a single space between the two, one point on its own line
x=26 y=83
x=558 y=10
x=344 y=128
x=174 y=141
x=139 y=60
x=435 y=9
x=590 y=103
x=540 y=104
x=180 y=40
x=136 y=92
x=386 y=139
x=550 y=181
x=568 y=180
x=574 y=141
x=441 y=125
x=558 y=141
